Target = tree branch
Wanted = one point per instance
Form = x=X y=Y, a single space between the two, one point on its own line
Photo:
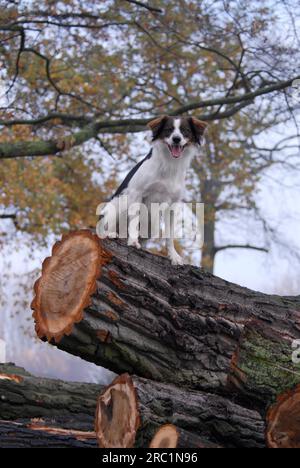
x=47 y=118
x=20 y=51
x=237 y=99
x=51 y=147
x=143 y=5
x=8 y=216
x=46 y=148
x=246 y=99
x=240 y=246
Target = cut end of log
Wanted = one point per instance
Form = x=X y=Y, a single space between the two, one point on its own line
x=117 y=414
x=68 y=280
x=283 y=420
x=167 y=436
x=170 y=436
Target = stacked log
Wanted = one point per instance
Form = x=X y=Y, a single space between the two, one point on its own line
x=23 y=435
x=185 y=331
x=132 y=409
x=39 y=412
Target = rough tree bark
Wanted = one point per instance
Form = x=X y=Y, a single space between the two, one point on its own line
x=44 y=412
x=262 y=385
x=131 y=311
x=262 y=366
x=22 y=435
x=131 y=409
x=39 y=412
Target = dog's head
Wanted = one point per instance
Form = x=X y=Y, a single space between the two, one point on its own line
x=177 y=133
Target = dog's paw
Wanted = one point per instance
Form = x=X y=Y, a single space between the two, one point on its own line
x=176 y=259
x=112 y=235
x=134 y=243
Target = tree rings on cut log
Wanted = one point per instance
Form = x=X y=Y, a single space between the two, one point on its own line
x=283 y=420
x=170 y=436
x=67 y=282
x=117 y=414
x=167 y=436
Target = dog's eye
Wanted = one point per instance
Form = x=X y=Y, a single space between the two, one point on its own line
x=186 y=132
x=168 y=130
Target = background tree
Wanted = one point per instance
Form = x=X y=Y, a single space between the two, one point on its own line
x=90 y=78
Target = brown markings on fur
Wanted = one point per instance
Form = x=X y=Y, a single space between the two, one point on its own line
x=155 y=123
x=192 y=128
x=199 y=124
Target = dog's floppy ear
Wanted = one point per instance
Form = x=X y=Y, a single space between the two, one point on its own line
x=198 y=128
x=157 y=125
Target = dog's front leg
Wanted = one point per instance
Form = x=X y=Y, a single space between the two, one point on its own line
x=175 y=258
x=134 y=208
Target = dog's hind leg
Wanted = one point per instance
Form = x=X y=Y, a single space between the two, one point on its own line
x=135 y=208
x=175 y=258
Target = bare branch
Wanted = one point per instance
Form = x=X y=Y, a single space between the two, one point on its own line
x=43 y=148
x=8 y=216
x=20 y=51
x=236 y=99
x=144 y=5
x=47 y=118
x=134 y=124
x=237 y=246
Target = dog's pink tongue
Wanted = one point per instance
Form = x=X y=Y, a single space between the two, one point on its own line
x=176 y=151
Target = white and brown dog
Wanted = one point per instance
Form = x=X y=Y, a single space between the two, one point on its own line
x=159 y=178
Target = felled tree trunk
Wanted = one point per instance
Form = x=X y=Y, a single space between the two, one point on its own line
x=38 y=412
x=131 y=409
x=25 y=435
x=131 y=311
x=55 y=412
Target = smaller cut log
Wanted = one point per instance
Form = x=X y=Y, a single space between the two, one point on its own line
x=56 y=411
x=117 y=415
x=131 y=409
x=283 y=419
x=170 y=436
x=34 y=435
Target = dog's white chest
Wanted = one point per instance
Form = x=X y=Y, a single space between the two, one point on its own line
x=160 y=179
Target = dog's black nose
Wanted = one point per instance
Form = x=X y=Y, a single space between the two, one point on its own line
x=176 y=140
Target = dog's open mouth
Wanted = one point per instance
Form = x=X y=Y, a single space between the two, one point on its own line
x=176 y=150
